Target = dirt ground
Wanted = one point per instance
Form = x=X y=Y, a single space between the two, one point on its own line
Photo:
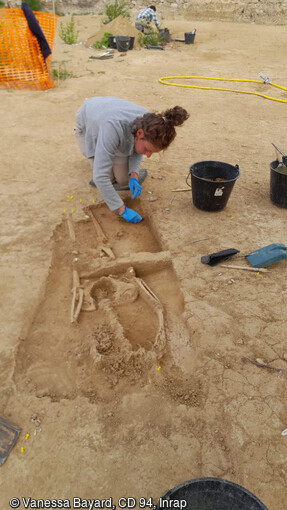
x=149 y=388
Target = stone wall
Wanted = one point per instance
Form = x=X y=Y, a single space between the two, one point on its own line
x=257 y=11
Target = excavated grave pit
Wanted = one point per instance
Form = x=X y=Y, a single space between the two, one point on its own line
x=130 y=316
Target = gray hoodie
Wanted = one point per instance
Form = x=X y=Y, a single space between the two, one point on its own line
x=106 y=124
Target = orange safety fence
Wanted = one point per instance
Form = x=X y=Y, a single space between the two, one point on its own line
x=22 y=64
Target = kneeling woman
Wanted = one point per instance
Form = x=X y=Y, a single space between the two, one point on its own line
x=114 y=134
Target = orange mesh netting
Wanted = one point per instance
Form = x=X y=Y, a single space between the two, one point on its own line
x=22 y=64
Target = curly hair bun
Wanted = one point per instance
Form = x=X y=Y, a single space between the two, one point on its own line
x=176 y=115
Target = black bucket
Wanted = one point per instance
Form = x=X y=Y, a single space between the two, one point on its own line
x=278 y=183
x=212 y=183
x=123 y=43
x=189 y=37
x=131 y=45
x=210 y=494
x=112 y=41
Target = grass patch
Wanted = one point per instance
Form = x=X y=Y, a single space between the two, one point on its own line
x=61 y=73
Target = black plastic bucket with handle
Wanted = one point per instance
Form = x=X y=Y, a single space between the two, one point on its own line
x=112 y=41
x=210 y=494
x=278 y=183
x=189 y=38
x=123 y=43
x=212 y=183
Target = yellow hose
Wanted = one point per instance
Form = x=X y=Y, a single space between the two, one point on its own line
x=162 y=80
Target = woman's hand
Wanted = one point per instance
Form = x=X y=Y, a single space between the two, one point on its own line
x=135 y=187
x=129 y=215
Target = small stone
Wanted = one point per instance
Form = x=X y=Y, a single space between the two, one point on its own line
x=260 y=360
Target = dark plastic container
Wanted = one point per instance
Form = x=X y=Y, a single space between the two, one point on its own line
x=131 y=45
x=210 y=494
x=123 y=42
x=112 y=41
x=278 y=184
x=189 y=37
x=212 y=183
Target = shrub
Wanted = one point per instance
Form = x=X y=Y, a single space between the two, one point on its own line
x=119 y=8
x=68 y=32
x=153 y=39
x=34 y=4
x=103 y=43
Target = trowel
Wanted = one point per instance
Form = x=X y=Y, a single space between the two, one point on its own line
x=267 y=255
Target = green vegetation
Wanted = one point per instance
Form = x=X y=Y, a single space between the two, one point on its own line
x=61 y=73
x=34 y=4
x=118 y=8
x=68 y=32
x=103 y=43
x=153 y=39
x=2 y=4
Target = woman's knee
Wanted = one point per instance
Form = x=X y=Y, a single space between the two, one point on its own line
x=121 y=170
x=122 y=180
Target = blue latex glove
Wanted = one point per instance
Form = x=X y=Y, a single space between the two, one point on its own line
x=131 y=216
x=135 y=187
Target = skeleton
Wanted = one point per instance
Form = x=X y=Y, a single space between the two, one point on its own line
x=149 y=296
x=103 y=246
x=78 y=295
x=129 y=286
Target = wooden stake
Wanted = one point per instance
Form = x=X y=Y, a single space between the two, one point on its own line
x=257 y=269
x=180 y=189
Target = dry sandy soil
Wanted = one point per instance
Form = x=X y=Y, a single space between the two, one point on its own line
x=113 y=408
